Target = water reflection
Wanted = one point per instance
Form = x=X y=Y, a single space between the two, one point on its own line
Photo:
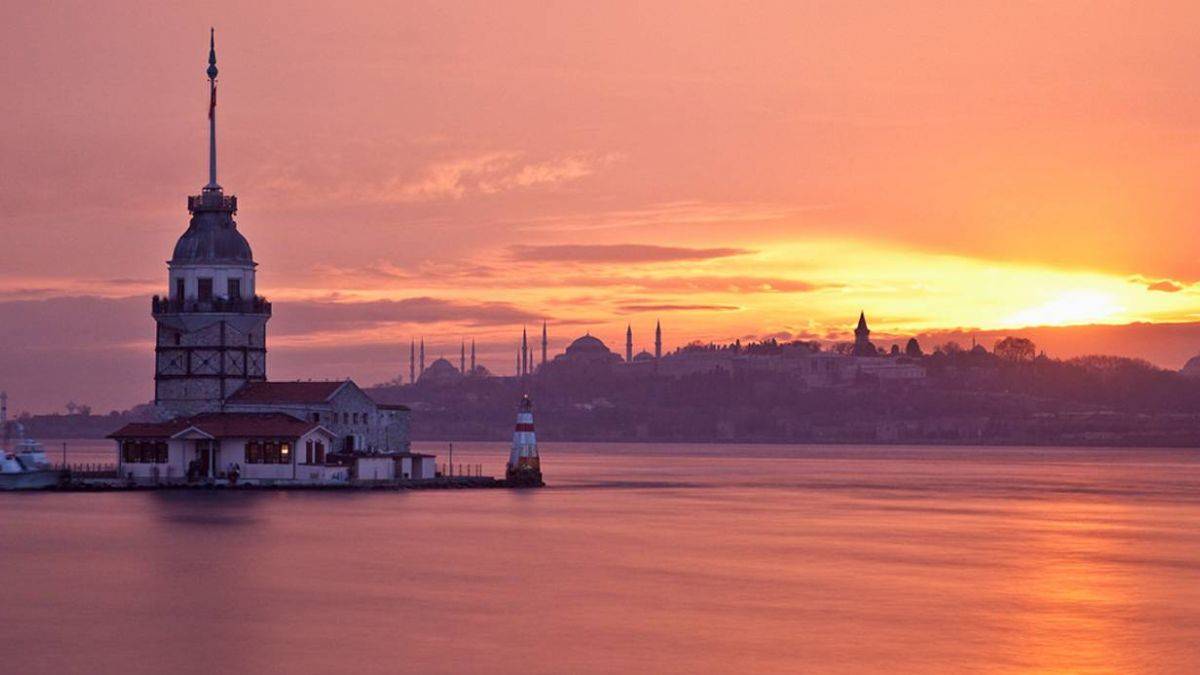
x=779 y=559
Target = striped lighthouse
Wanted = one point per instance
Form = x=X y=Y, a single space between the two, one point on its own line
x=524 y=468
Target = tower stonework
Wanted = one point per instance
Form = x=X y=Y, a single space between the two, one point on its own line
x=210 y=326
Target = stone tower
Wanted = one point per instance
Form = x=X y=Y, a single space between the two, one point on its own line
x=211 y=326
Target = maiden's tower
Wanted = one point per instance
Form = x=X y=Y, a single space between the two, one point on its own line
x=211 y=327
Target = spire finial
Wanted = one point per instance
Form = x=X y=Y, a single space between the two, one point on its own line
x=212 y=111
x=212 y=53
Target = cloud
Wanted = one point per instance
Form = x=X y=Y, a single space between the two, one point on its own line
x=710 y=284
x=1165 y=286
x=484 y=174
x=617 y=253
x=638 y=307
x=316 y=316
x=1159 y=285
x=665 y=214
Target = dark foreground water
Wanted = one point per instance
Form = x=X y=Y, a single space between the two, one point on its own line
x=638 y=558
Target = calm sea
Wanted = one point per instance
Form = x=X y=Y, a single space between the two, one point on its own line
x=637 y=558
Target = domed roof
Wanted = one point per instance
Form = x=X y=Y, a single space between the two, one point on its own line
x=441 y=369
x=587 y=345
x=212 y=237
x=643 y=356
x=1192 y=367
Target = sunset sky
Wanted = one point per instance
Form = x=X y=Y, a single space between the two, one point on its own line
x=458 y=170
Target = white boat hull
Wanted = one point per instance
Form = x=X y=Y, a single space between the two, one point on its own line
x=29 y=480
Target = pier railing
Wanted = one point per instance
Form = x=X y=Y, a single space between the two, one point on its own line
x=460 y=469
x=88 y=470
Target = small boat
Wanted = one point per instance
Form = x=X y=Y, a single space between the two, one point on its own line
x=26 y=468
x=524 y=467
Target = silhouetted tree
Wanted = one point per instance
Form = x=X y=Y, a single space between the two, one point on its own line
x=951 y=348
x=1015 y=349
x=913 y=348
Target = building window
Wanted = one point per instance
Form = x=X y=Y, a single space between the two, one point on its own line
x=253 y=453
x=356 y=418
x=178 y=338
x=319 y=456
x=316 y=418
x=308 y=451
x=270 y=452
x=285 y=453
x=235 y=289
x=179 y=289
x=144 y=452
x=204 y=289
x=345 y=418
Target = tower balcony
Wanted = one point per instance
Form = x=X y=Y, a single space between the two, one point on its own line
x=256 y=305
x=212 y=200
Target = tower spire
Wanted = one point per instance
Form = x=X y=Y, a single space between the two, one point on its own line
x=212 y=111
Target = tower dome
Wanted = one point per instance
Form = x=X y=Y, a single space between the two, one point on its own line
x=212 y=237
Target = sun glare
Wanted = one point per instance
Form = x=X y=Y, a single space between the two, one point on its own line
x=1069 y=307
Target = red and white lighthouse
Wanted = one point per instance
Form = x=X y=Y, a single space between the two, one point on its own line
x=524 y=468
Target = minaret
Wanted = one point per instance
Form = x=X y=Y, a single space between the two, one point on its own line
x=657 y=340
x=210 y=326
x=524 y=352
x=472 y=355
x=545 y=343
x=462 y=358
x=628 y=343
x=412 y=362
x=518 y=371
x=422 y=357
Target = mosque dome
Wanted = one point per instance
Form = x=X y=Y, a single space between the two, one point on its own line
x=1191 y=368
x=440 y=370
x=587 y=345
x=643 y=356
x=212 y=237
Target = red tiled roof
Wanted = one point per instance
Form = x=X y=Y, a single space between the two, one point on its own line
x=286 y=392
x=221 y=425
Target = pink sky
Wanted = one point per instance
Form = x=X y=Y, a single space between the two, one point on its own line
x=731 y=169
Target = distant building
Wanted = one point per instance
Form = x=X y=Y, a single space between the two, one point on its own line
x=440 y=371
x=862 y=338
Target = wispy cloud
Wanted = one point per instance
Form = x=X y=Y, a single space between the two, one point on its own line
x=617 y=253
x=482 y=174
x=650 y=307
x=688 y=212
x=702 y=284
